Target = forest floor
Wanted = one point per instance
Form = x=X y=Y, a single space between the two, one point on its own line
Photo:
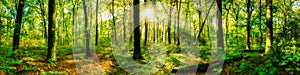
x=31 y=61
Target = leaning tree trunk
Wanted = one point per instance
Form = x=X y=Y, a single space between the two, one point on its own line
x=17 y=30
x=87 y=34
x=51 y=56
x=269 y=32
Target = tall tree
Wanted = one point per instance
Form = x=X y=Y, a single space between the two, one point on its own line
x=146 y=27
x=73 y=21
x=1 y=26
x=87 y=34
x=97 y=36
x=137 y=34
x=169 y=22
x=260 y=29
x=178 y=5
x=17 y=30
x=220 y=36
x=51 y=56
x=41 y=2
x=269 y=29
x=248 y=25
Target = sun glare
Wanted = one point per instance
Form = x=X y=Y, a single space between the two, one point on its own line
x=148 y=13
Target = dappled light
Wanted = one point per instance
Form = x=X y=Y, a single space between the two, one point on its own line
x=149 y=37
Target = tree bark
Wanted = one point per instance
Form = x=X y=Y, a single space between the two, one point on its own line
x=87 y=34
x=17 y=30
x=178 y=18
x=51 y=56
x=137 y=34
x=248 y=25
x=220 y=36
x=73 y=22
x=97 y=36
x=260 y=29
x=146 y=28
x=269 y=32
x=169 y=23
x=204 y=21
x=43 y=17
x=1 y=26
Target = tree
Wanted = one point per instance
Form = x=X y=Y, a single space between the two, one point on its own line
x=178 y=5
x=260 y=29
x=169 y=23
x=248 y=25
x=137 y=34
x=220 y=36
x=1 y=26
x=87 y=34
x=269 y=29
x=41 y=2
x=97 y=36
x=51 y=56
x=146 y=28
x=17 y=30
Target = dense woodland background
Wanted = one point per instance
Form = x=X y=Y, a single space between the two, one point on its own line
x=42 y=36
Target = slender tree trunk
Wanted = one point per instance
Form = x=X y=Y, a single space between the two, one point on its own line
x=248 y=25
x=169 y=23
x=260 y=29
x=87 y=34
x=137 y=34
x=51 y=56
x=73 y=22
x=178 y=18
x=220 y=36
x=17 y=30
x=124 y=26
x=97 y=36
x=113 y=17
x=146 y=28
x=204 y=21
x=269 y=32
x=1 y=25
x=43 y=17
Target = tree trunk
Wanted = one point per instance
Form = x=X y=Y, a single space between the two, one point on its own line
x=260 y=29
x=137 y=34
x=1 y=26
x=269 y=32
x=178 y=18
x=248 y=25
x=204 y=21
x=17 y=30
x=43 y=17
x=51 y=56
x=87 y=34
x=124 y=26
x=169 y=23
x=73 y=22
x=220 y=36
x=97 y=36
x=146 y=28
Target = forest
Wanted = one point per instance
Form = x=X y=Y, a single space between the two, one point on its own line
x=159 y=37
